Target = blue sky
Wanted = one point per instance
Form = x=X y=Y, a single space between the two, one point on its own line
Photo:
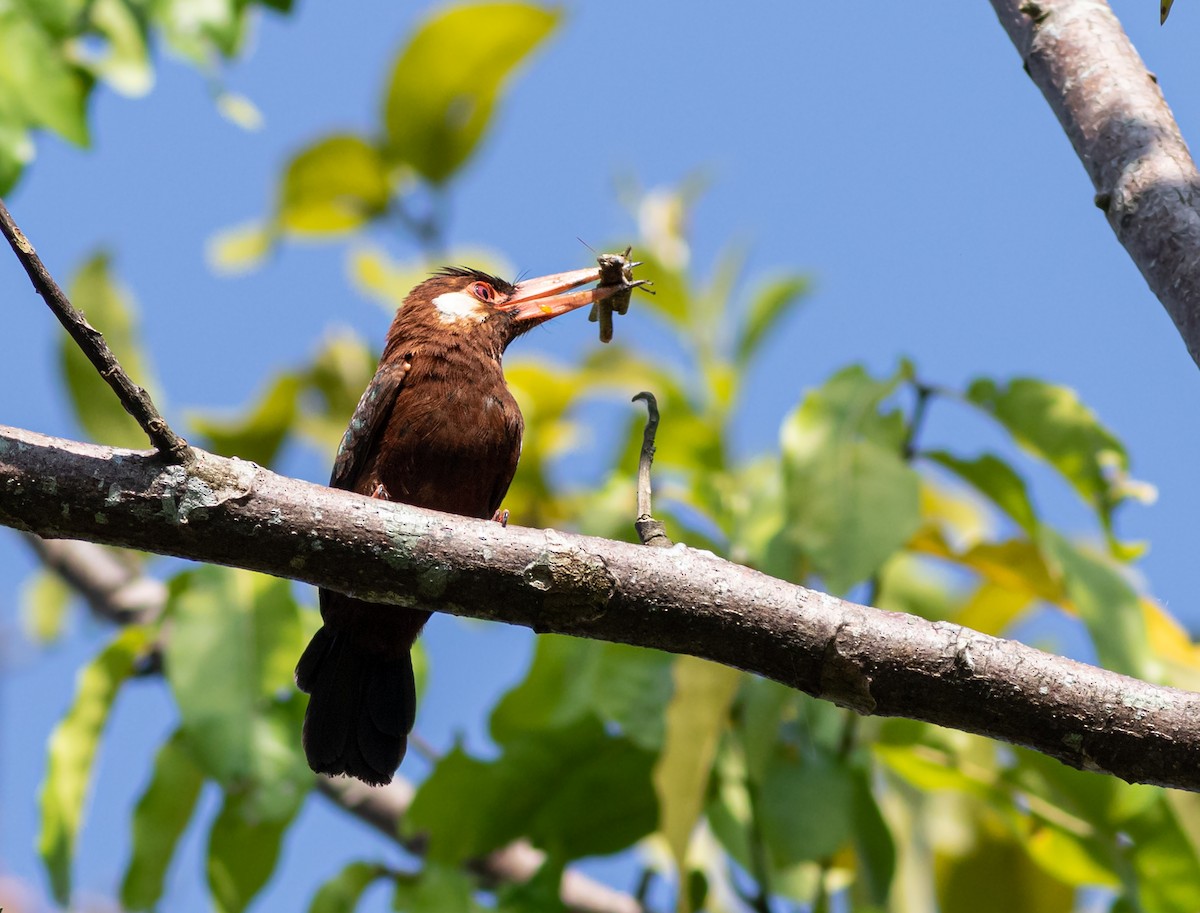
x=896 y=153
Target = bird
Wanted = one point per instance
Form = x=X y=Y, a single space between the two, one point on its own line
x=437 y=427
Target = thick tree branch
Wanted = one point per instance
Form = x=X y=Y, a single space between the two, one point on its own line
x=116 y=591
x=678 y=599
x=135 y=399
x=1110 y=106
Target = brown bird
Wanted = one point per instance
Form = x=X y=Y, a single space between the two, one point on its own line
x=436 y=428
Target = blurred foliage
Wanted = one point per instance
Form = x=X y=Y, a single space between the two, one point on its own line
x=54 y=52
x=737 y=793
x=438 y=104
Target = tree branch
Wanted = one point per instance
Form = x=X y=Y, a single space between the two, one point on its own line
x=1111 y=108
x=135 y=399
x=116 y=591
x=679 y=599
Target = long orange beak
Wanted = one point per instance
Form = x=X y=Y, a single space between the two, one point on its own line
x=536 y=300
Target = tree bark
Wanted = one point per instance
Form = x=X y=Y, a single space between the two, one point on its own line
x=678 y=599
x=1111 y=108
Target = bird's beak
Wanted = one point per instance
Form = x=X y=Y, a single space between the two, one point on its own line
x=536 y=300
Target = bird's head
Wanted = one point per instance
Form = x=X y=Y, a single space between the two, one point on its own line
x=472 y=305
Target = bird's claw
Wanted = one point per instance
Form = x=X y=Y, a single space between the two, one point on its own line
x=501 y=517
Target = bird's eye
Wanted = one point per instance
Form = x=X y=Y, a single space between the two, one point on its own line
x=483 y=291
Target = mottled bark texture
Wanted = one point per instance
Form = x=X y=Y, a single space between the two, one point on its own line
x=677 y=599
x=1112 y=110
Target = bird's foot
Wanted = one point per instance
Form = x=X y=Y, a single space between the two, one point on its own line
x=501 y=517
x=381 y=492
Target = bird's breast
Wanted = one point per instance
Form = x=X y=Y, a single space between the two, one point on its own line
x=453 y=438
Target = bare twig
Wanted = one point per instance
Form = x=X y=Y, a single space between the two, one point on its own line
x=1112 y=110
x=652 y=532
x=681 y=600
x=135 y=399
x=119 y=593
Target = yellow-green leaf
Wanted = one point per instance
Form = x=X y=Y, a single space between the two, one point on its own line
x=44 y=601
x=234 y=639
x=36 y=77
x=446 y=81
x=72 y=751
x=851 y=499
x=1051 y=422
x=334 y=185
x=239 y=249
x=242 y=851
x=696 y=717
x=258 y=435
x=770 y=304
x=340 y=893
x=111 y=310
x=159 y=820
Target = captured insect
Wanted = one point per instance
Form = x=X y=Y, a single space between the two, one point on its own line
x=615 y=269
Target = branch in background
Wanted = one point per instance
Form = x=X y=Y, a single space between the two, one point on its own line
x=135 y=399
x=680 y=600
x=119 y=593
x=1110 y=106
x=652 y=532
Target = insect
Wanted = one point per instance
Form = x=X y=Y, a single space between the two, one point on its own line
x=615 y=269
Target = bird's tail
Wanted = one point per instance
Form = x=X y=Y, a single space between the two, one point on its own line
x=361 y=705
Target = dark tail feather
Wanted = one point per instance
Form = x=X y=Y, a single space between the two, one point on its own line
x=360 y=709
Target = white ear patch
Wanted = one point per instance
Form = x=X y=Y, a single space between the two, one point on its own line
x=456 y=307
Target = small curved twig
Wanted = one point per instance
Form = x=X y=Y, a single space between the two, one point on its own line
x=652 y=532
x=135 y=399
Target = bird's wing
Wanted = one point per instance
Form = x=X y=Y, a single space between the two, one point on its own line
x=369 y=419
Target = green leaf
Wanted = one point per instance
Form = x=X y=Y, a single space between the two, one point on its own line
x=540 y=894
x=335 y=185
x=240 y=110
x=125 y=64
x=111 y=310
x=239 y=249
x=851 y=499
x=242 y=851
x=771 y=304
x=234 y=639
x=761 y=706
x=159 y=820
x=258 y=435
x=16 y=150
x=997 y=481
x=1051 y=422
x=336 y=377
x=1107 y=605
x=37 y=81
x=438 y=889
x=696 y=717
x=72 y=751
x=45 y=598
x=340 y=893
x=449 y=77
x=873 y=842
x=1077 y=860
x=805 y=807
x=571 y=678
x=455 y=805
x=996 y=875
x=574 y=791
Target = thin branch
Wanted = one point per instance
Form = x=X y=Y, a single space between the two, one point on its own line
x=117 y=592
x=135 y=399
x=681 y=600
x=652 y=532
x=1112 y=110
